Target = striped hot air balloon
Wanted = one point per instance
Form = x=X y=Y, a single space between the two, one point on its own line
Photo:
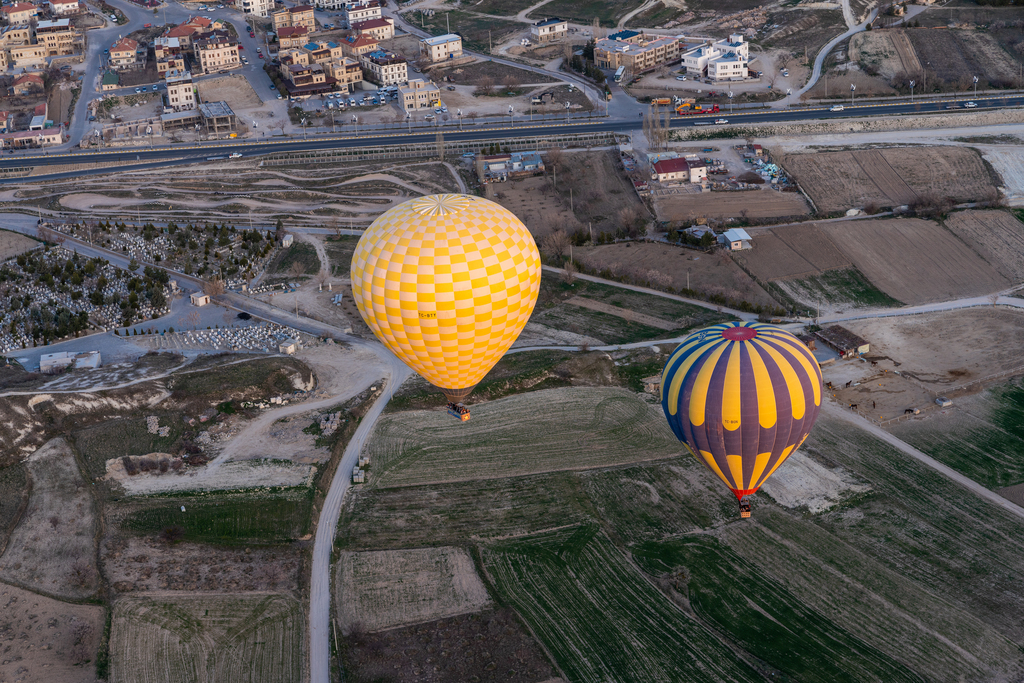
x=742 y=396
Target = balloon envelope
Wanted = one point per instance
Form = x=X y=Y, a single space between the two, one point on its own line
x=742 y=396
x=447 y=282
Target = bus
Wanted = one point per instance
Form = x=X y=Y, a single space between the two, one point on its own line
x=620 y=73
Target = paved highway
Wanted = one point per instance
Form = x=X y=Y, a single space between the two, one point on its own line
x=184 y=154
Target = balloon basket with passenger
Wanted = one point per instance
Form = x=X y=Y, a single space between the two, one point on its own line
x=458 y=411
x=744 y=508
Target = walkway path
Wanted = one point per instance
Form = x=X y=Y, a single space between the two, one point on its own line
x=824 y=52
x=642 y=8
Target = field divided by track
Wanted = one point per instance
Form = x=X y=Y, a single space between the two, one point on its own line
x=570 y=428
x=997 y=235
x=599 y=617
x=244 y=638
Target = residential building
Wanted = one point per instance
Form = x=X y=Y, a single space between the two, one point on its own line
x=65 y=8
x=28 y=84
x=38 y=121
x=501 y=167
x=218 y=117
x=635 y=51
x=19 y=13
x=259 y=8
x=303 y=75
x=215 y=51
x=347 y=72
x=125 y=54
x=24 y=57
x=723 y=60
x=418 y=94
x=358 y=45
x=18 y=34
x=384 y=68
x=686 y=169
x=52 y=363
x=181 y=91
x=6 y=121
x=292 y=36
x=378 y=29
x=354 y=12
x=322 y=52
x=300 y=15
x=549 y=29
x=292 y=56
x=25 y=139
x=440 y=48
x=187 y=31
x=58 y=36
x=110 y=81
x=169 y=55
x=199 y=299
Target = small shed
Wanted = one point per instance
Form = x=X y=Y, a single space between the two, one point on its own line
x=289 y=346
x=846 y=343
x=199 y=299
x=735 y=239
x=286 y=241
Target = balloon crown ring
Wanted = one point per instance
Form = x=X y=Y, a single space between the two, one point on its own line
x=739 y=333
x=440 y=204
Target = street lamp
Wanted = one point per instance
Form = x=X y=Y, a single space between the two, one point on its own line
x=730 y=107
x=355 y=123
x=567 y=112
x=912 y=84
x=975 y=87
x=853 y=88
x=459 y=114
x=408 y=120
x=303 y=129
x=511 y=121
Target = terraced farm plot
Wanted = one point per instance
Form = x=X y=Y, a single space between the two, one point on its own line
x=915 y=261
x=763 y=617
x=954 y=172
x=997 y=235
x=722 y=205
x=599 y=617
x=388 y=588
x=771 y=258
x=245 y=638
x=571 y=428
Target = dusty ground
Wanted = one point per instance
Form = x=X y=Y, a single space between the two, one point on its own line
x=890 y=52
x=231 y=475
x=751 y=204
x=712 y=273
x=52 y=548
x=792 y=251
x=380 y=590
x=996 y=235
x=534 y=203
x=46 y=640
x=235 y=90
x=12 y=244
x=803 y=481
x=915 y=261
x=142 y=564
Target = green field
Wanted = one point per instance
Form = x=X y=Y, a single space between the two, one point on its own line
x=339 y=252
x=244 y=639
x=764 y=618
x=845 y=285
x=553 y=311
x=601 y=619
x=584 y=11
x=568 y=429
x=301 y=253
x=983 y=439
x=266 y=376
x=221 y=518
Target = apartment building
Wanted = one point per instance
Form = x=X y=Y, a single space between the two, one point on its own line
x=635 y=51
x=418 y=94
x=215 y=51
x=259 y=8
x=358 y=45
x=19 y=13
x=347 y=73
x=292 y=36
x=18 y=34
x=169 y=55
x=58 y=36
x=384 y=68
x=65 y=8
x=723 y=60
x=378 y=29
x=23 y=57
x=125 y=55
x=361 y=10
x=549 y=29
x=300 y=15
x=181 y=91
x=440 y=48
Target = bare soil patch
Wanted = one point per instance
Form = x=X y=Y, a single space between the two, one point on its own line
x=490 y=72
x=235 y=90
x=52 y=549
x=888 y=52
x=713 y=273
x=490 y=647
x=13 y=243
x=915 y=261
x=837 y=181
x=804 y=482
x=997 y=235
x=144 y=564
x=47 y=640
x=954 y=55
x=792 y=251
x=388 y=588
x=533 y=202
x=721 y=205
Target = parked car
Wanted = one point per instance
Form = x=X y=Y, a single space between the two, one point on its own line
x=260 y=56
x=450 y=87
x=147 y=26
x=138 y=90
x=278 y=97
x=836 y=107
x=273 y=87
x=680 y=78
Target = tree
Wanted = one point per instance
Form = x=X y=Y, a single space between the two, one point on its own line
x=133 y=265
x=569 y=276
x=511 y=83
x=439 y=141
x=279 y=231
x=485 y=87
x=296 y=269
x=193 y=319
x=214 y=287
x=555 y=245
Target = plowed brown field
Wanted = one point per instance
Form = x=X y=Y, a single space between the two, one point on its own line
x=749 y=204
x=996 y=235
x=793 y=251
x=915 y=261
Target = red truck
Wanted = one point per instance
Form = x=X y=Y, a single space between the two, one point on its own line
x=683 y=110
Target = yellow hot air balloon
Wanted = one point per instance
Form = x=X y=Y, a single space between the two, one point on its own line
x=447 y=282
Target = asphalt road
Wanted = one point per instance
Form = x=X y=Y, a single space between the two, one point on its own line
x=186 y=154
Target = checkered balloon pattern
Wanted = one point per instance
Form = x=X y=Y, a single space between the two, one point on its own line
x=447 y=282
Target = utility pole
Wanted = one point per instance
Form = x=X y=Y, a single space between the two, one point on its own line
x=490 y=48
x=448 y=23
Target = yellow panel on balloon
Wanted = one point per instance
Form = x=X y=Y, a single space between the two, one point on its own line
x=447 y=282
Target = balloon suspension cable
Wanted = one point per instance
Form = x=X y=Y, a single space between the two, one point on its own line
x=457 y=395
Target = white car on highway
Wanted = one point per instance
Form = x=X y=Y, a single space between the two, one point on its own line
x=836 y=107
x=721 y=120
x=971 y=105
